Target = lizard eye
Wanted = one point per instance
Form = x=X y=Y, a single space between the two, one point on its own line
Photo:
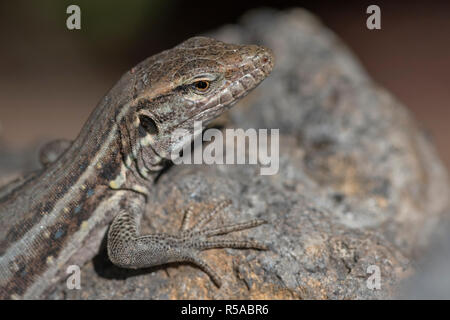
x=201 y=85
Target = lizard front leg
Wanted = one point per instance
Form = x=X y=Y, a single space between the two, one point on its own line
x=51 y=151
x=129 y=249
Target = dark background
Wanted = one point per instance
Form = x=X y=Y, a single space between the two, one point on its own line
x=51 y=78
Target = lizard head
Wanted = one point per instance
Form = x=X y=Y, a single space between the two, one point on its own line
x=195 y=81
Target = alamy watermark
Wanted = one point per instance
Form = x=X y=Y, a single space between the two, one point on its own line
x=373 y=22
x=373 y=282
x=254 y=152
x=73 y=281
x=73 y=22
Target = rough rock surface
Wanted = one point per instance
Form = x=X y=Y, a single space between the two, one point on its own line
x=359 y=184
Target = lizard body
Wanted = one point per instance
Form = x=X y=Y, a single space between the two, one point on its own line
x=59 y=215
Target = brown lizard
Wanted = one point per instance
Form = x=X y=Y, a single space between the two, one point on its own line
x=59 y=215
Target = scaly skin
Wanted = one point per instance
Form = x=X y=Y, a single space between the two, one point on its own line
x=59 y=215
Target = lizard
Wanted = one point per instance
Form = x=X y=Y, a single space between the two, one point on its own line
x=97 y=186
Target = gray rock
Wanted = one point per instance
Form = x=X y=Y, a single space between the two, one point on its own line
x=431 y=280
x=359 y=184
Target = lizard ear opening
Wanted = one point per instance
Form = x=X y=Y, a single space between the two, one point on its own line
x=148 y=124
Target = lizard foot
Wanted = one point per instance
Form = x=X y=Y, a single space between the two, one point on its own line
x=198 y=238
x=127 y=248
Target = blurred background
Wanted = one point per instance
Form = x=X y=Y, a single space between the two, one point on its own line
x=51 y=78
